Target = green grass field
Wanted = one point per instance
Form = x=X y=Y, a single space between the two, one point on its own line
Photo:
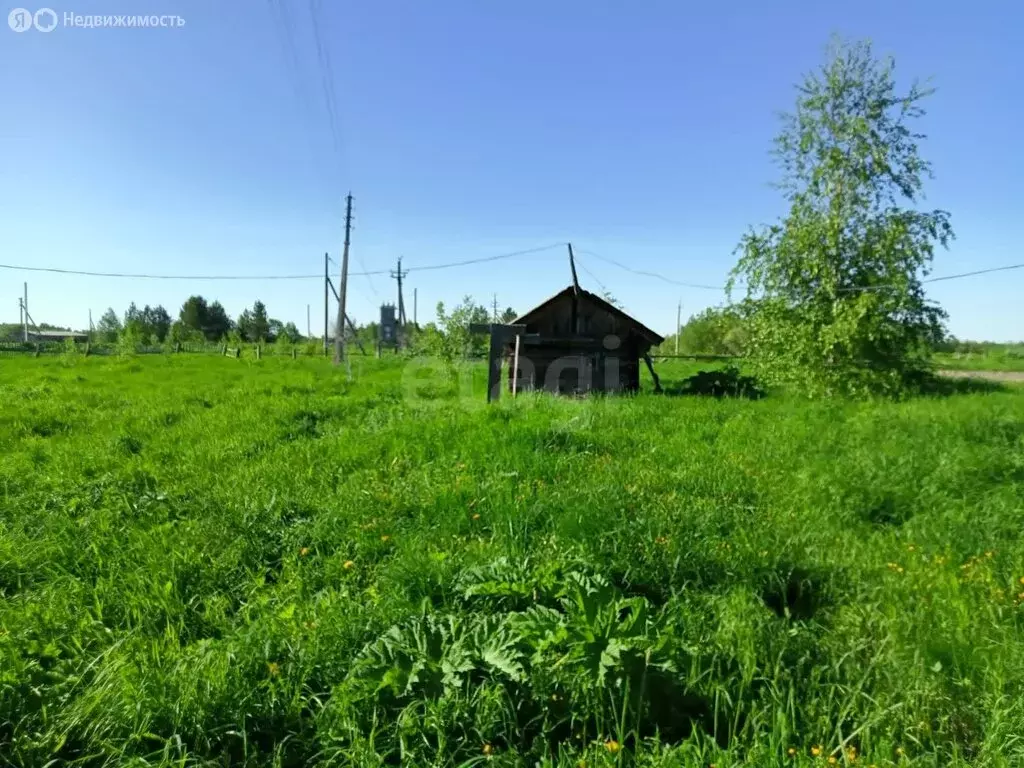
x=1009 y=359
x=206 y=561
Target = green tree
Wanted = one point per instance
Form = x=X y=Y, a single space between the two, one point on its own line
x=210 y=321
x=245 y=327
x=260 y=329
x=450 y=338
x=834 y=295
x=218 y=324
x=157 y=322
x=714 y=331
x=508 y=315
x=134 y=321
x=193 y=314
x=109 y=327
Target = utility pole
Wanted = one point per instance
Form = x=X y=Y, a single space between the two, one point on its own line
x=24 y=304
x=679 y=315
x=339 y=342
x=494 y=308
x=91 y=329
x=399 y=275
x=327 y=280
x=415 y=324
x=308 y=329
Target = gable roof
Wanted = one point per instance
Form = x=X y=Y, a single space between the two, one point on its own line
x=642 y=330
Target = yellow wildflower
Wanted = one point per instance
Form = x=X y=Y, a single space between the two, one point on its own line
x=791 y=751
x=816 y=750
x=385 y=537
x=304 y=551
x=832 y=760
x=612 y=746
x=476 y=516
x=348 y=564
x=273 y=668
x=488 y=749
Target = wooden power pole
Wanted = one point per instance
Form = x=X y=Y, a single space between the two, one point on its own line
x=399 y=275
x=327 y=281
x=339 y=339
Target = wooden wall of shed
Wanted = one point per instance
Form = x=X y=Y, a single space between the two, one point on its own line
x=594 y=321
x=562 y=371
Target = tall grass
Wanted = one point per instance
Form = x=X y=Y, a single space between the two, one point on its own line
x=208 y=561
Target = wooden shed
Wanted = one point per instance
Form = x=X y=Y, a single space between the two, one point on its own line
x=577 y=342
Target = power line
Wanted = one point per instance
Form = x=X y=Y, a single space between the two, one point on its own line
x=972 y=274
x=158 y=277
x=486 y=258
x=326 y=76
x=283 y=31
x=140 y=276
x=656 y=275
x=604 y=288
x=853 y=288
x=593 y=277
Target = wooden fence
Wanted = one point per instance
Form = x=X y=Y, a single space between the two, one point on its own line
x=50 y=348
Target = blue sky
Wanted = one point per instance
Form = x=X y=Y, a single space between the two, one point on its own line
x=639 y=131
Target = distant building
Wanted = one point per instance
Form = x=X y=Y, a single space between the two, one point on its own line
x=577 y=342
x=39 y=336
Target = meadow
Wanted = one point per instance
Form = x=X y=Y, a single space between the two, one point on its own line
x=1006 y=358
x=210 y=561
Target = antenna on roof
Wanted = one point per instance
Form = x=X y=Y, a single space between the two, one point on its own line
x=575 y=293
x=572 y=266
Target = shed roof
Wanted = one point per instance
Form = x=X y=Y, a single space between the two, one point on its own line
x=642 y=330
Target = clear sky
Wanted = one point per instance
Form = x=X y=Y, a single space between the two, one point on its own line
x=639 y=131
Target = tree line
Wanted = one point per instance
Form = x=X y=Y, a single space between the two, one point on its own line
x=198 y=320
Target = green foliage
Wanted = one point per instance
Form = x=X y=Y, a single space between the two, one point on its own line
x=253 y=324
x=835 y=302
x=148 y=322
x=714 y=331
x=109 y=327
x=449 y=338
x=128 y=341
x=201 y=319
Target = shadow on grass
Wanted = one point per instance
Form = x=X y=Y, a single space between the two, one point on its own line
x=727 y=382
x=934 y=385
